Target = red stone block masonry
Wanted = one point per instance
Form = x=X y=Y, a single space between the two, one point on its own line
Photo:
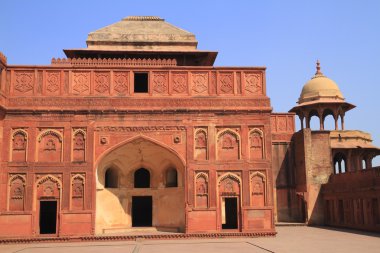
x=140 y=130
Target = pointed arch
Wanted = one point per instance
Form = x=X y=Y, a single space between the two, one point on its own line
x=16 y=192
x=18 y=145
x=258 y=186
x=229 y=175
x=77 y=191
x=49 y=149
x=200 y=144
x=51 y=178
x=136 y=138
x=201 y=190
x=256 y=144
x=230 y=147
x=52 y=132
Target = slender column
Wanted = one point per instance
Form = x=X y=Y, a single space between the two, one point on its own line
x=342 y=121
x=307 y=122
x=321 y=126
x=301 y=118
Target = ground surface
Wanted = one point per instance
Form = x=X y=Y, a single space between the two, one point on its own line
x=289 y=239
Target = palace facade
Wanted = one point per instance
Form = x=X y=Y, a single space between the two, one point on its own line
x=140 y=130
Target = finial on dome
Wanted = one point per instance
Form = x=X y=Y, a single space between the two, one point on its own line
x=318 y=68
x=318 y=73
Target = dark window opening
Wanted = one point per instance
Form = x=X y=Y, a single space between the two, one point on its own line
x=141 y=83
x=171 y=178
x=142 y=211
x=340 y=163
x=231 y=213
x=111 y=178
x=142 y=178
x=48 y=217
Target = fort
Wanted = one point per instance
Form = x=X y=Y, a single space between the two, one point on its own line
x=141 y=131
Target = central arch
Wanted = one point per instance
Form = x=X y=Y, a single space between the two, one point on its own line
x=139 y=158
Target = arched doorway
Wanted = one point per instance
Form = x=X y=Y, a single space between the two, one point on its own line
x=141 y=198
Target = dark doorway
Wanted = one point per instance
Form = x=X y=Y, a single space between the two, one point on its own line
x=142 y=178
x=142 y=211
x=231 y=213
x=48 y=217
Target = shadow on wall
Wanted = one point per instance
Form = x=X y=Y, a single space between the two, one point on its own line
x=289 y=203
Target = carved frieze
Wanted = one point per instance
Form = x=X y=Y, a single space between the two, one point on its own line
x=139 y=128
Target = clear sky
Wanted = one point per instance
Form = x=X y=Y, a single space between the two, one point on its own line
x=285 y=36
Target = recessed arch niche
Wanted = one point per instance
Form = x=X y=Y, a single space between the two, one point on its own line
x=114 y=205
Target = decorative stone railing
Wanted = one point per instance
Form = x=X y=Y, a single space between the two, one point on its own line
x=111 y=62
x=63 y=79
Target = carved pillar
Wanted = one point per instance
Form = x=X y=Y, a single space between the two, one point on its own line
x=342 y=121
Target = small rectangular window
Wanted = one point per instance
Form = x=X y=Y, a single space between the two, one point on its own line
x=141 y=83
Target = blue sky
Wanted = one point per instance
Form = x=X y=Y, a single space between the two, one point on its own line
x=285 y=36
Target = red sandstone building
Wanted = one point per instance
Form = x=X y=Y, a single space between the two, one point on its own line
x=139 y=129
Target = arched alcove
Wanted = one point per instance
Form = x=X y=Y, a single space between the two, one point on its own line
x=313 y=120
x=111 y=178
x=329 y=122
x=340 y=163
x=141 y=178
x=143 y=161
x=171 y=178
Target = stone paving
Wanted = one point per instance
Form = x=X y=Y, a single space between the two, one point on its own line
x=289 y=239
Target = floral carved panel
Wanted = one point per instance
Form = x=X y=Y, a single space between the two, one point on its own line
x=102 y=83
x=24 y=82
x=226 y=83
x=200 y=83
x=53 y=82
x=81 y=83
x=121 y=82
x=180 y=85
x=253 y=83
x=160 y=82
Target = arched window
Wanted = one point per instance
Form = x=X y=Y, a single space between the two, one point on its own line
x=171 y=178
x=111 y=178
x=364 y=165
x=142 y=178
x=340 y=163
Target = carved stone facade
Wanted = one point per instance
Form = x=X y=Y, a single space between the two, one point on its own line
x=199 y=151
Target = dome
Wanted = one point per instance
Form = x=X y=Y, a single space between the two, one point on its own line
x=320 y=88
